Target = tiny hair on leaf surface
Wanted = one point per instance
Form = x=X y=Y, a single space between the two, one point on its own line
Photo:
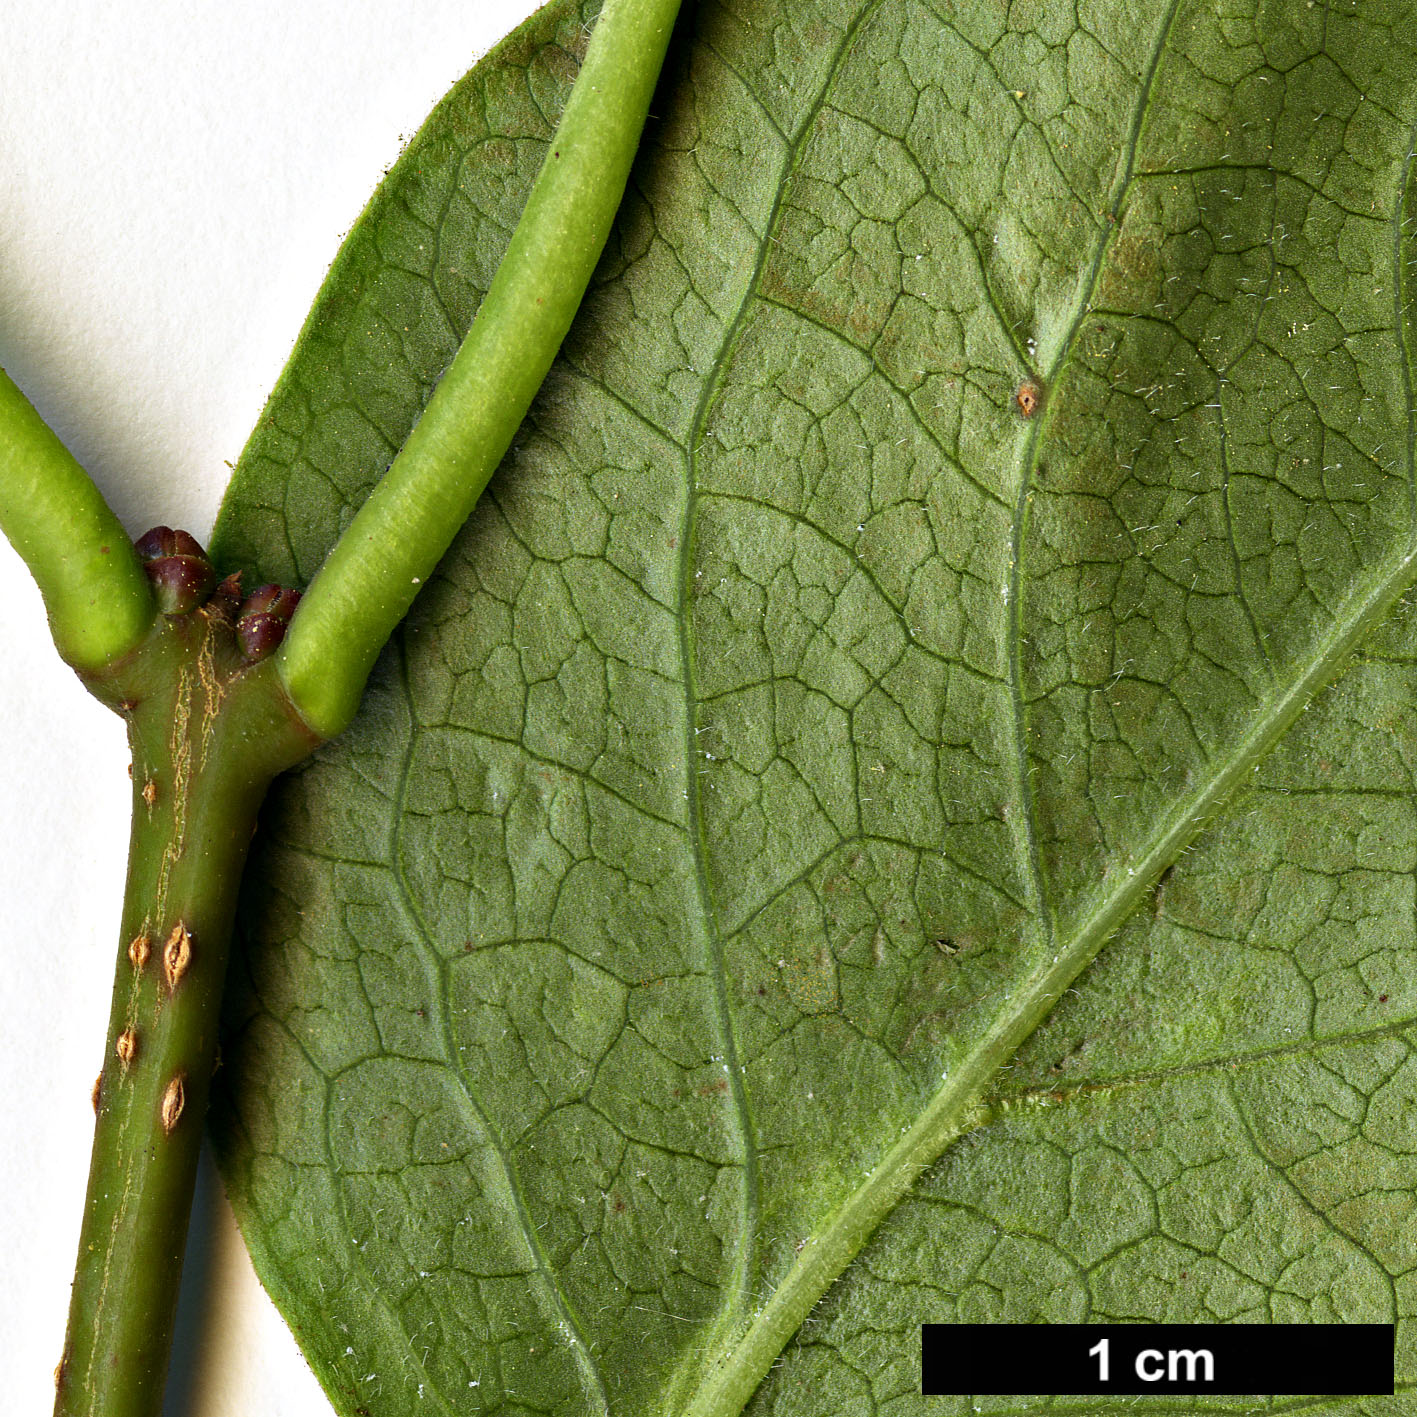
x=898 y=807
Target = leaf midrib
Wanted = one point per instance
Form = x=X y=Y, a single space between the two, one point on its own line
x=728 y=1323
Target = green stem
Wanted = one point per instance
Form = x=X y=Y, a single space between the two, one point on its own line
x=374 y=572
x=93 y=585
x=208 y=733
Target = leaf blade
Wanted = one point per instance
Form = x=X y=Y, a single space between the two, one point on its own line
x=697 y=624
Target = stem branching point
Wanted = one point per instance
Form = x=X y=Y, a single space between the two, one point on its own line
x=208 y=731
x=220 y=696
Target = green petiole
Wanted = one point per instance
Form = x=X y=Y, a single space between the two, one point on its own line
x=374 y=572
x=94 y=589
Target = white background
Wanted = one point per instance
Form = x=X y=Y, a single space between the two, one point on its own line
x=174 y=180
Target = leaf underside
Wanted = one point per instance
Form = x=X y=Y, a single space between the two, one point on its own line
x=797 y=718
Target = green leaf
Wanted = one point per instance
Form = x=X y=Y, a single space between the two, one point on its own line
x=798 y=718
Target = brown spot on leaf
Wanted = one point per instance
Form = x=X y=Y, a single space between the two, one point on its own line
x=94 y=1095
x=126 y=1046
x=1028 y=396
x=150 y=792
x=139 y=947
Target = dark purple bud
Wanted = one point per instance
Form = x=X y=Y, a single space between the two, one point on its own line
x=264 y=615
x=178 y=568
x=164 y=541
x=225 y=601
x=156 y=542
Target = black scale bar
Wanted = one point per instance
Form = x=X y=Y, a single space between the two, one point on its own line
x=1243 y=1360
